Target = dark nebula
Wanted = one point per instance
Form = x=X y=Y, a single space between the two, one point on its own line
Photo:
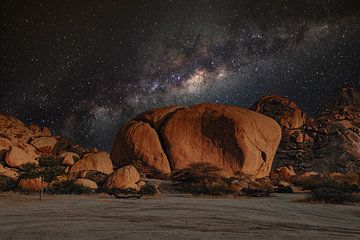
x=82 y=68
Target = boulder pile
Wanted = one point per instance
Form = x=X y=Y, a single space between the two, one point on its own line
x=327 y=142
x=21 y=145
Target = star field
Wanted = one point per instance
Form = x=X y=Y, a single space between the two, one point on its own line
x=83 y=68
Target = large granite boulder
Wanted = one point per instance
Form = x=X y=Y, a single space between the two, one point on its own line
x=228 y=137
x=138 y=143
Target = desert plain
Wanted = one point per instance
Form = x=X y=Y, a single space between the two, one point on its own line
x=174 y=216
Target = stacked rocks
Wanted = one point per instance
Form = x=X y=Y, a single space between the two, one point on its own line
x=21 y=144
x=327 y=142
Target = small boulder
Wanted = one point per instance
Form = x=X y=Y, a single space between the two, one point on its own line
x=141 y=184
x=46 y=132
x=123 y=178
x=82 y=182
x=44 y=144
x=7 y=172
x=99 y=161
x=283 y=173
x=17 y=157
x=69 y=158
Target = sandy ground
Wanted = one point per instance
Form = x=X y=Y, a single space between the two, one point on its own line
x=174 y=217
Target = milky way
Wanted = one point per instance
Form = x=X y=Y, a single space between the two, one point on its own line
x=84 y=68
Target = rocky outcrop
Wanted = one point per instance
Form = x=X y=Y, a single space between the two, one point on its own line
x=327 y=142
x=336 y=134
x=17 y=132
x=231 y=138
x=123 y=178
x=283 y=110
x=99 y=162
x=21 y=144
x=346 y=96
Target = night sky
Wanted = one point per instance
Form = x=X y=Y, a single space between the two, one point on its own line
x=83 y=68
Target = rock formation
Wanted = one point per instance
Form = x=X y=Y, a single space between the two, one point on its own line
x=99 y=162
x=123 y=178
x=327 y=142
x=336 y=134
x=228 y=137
x=21 y=144
x=138 y=143
x=283 y=110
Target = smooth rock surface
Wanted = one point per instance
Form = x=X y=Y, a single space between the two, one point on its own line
x=123 y=178
x=99 y=161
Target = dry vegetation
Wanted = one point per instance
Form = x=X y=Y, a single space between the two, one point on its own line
x=335 y=189
x=206 y=179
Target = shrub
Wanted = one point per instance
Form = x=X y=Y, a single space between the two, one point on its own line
x=196 y=173
x=50 y=161
x=48 y=170
x=68 y=187
x=125 y=193
x=203 y=179
x=253 y=192
x=346 y=182
x=258 y=188
x=332 y=195
x=149 y=190
x=7 y=184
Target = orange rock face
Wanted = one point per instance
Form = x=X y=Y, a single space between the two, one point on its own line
x=231 y=138
x=138 y=143
x=17 y=157
x=44 y=144
x=99 y=162
x=283 y=110
x=123 y=178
